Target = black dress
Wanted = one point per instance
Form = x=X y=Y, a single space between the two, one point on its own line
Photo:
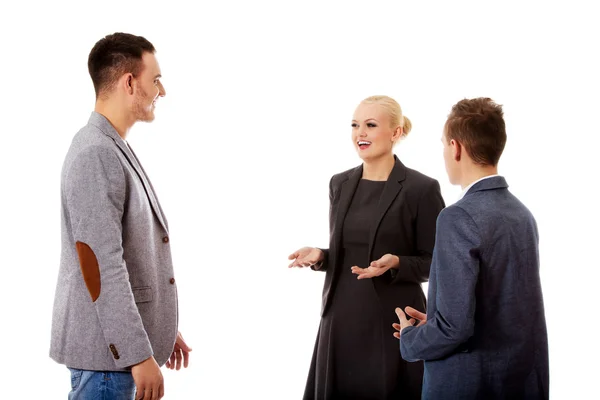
x=350 y=358
x=356 y=355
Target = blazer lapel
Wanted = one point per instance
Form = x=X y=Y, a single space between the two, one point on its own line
x=149 y=190
x=346 y=194
x=392 y=187
x=106 y=127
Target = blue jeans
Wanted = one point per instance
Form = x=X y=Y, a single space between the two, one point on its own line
x=96 y=385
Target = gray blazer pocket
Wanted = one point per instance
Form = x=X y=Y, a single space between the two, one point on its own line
x=142 y=294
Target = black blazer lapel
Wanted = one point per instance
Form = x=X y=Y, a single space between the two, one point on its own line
x=348 y=188
x=392 y=187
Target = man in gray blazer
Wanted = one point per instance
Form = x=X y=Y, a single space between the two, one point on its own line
x=484 y=335
x=115 y=311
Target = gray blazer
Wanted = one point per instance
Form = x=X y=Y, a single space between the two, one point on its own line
x=116 y=298
x=485 y=336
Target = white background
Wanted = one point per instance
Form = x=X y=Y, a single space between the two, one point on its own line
x=256 y=120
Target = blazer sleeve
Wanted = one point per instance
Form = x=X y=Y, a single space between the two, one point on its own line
x=416 y=268
x=95 y=191
x=325 y=264
x=456 y=267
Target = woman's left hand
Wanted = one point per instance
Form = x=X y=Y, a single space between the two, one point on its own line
x=378 y=267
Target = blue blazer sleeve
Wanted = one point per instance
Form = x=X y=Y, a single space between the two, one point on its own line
x=454 y=274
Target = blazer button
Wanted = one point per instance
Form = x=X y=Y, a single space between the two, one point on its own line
x=166 y=239
x=172 y=281
x=113 y=349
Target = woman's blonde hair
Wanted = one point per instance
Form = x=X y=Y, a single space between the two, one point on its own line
x=394 y=110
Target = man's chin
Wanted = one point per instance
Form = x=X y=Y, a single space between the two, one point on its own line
x=148 y=117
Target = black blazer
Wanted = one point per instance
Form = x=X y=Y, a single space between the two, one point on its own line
x=405 y=227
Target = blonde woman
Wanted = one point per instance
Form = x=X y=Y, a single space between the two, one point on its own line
x=382 y=232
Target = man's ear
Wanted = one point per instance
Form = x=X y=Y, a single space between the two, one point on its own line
x=127 y=83
x=456 y=149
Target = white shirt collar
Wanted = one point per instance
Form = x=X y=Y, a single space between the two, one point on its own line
x=465 y=190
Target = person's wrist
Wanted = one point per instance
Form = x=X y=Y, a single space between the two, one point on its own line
x=321 y=257
x=146 y=361
x=396 y=262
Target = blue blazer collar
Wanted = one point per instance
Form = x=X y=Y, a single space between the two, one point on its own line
x=496 y=182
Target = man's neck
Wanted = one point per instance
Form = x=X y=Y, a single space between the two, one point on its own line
x=116 y=115
x=378 y=169
x=475 y=173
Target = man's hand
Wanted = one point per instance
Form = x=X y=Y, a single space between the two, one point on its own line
x=148 y=380
x=378 y=267
x=415 y=316
x=180 y=351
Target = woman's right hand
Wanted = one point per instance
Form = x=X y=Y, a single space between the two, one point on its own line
x=306 y=257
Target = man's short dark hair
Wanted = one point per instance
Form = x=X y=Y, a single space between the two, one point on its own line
x=115 y=55
x=478 y=125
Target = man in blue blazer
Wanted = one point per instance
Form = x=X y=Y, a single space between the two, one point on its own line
x=484 y=335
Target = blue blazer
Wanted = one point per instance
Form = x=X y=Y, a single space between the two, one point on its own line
x=485 y=336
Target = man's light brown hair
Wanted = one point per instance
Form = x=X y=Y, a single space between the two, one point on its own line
x=478 y=125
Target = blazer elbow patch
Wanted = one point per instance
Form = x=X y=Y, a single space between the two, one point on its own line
x=89 y=269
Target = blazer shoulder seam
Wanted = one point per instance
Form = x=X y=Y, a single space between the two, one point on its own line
x=99 y=149
x=342 y=176
x=463 y=211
